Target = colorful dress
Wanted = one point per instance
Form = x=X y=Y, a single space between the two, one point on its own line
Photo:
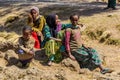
x=87 y=58
x=52 y=46
x=37 y=26
x=61 y=35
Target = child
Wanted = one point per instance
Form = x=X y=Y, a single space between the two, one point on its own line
x=50 y=33
x=26 y=47
x=37 y=22
x=86 y=57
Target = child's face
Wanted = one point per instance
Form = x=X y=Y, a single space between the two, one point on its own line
x=26 y=34
x=34 y=13
x=57 y=19
x=74 y=20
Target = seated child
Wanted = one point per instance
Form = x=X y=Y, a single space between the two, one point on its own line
x=37 y=22
x=86 y=57
x=50 y=42
x=26 y=47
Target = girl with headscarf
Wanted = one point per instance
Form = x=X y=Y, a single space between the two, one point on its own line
x=37 y=22
x=51 y=43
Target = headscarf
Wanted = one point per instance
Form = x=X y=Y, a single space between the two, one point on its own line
x=35 y=8
x=37 y=21
x=51 y=22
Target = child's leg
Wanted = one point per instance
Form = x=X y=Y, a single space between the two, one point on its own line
x=50 y=50
x=51 y=58
x=100 y=67
x=19 y=64
x=24 y=63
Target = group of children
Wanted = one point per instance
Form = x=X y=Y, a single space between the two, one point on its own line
x=58 y=40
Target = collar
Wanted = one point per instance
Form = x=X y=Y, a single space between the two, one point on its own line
x=75 y=27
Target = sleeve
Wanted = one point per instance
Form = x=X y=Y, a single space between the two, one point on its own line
x=35 y=29
x=42 y=23
x=21 y=46
x=46 y=32
x=65 y=26
x=32 y=43
x=31 y=24
x=67 y=39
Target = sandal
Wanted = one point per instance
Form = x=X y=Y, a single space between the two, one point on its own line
x=106 y=70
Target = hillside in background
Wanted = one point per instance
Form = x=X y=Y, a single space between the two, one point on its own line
x=101 y=31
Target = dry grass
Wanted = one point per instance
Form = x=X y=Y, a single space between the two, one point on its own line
x=100 y=27
x=118 y=27
x=103 y=27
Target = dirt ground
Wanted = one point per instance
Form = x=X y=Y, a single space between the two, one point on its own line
x=92 y=16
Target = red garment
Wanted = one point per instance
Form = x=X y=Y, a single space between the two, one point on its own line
x=37 y=43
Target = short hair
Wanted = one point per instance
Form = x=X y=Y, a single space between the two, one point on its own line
x=27 y=28
x=74 y=14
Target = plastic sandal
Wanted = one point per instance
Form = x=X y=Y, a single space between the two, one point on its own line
x=106 y=70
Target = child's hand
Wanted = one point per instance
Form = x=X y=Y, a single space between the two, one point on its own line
x=58 y=21
x=31 y=52
x=58 y=40
x=30 y=18
x=72 y=57
x=39 y=33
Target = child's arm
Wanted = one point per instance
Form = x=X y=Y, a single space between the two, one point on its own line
x=35 y=29
x=65 y=26
x=26 y=50
x=48 y=35
x=30 y=20
x=42 y=23
x=56 y=39
x=67 y=43
x=82 y=27
x=46 y=32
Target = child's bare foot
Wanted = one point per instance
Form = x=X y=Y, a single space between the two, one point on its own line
x=82 y=71
x=49 y=63
x=19 y=64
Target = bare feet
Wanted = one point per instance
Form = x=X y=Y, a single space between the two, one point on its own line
x=49 y=63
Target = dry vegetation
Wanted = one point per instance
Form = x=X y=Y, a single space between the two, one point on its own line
x=101 y=31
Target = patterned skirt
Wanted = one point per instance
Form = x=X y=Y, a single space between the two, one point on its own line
x=87 y=58
x=54 y=49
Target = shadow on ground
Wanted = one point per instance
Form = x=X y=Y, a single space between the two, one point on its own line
x=64 y=10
